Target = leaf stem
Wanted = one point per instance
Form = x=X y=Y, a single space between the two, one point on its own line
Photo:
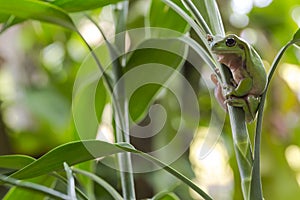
x=122 y=121
x=241 y=140
x=34 y=187
x=167 y=168
x=256 y=186
x=242 y=147
x=70 y=182
x=101 y=182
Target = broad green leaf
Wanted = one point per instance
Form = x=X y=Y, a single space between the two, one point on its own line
x=81 y=151
x=71 y=153
x=15 y=161
x=37 y=10
x=163 y=16
x=90 y=94
x=81 y=5
x=4 y=17
x=147 y=71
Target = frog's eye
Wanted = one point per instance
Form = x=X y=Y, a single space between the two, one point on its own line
x=230 y=42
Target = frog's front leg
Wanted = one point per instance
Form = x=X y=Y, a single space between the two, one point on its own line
x=242 y=89
x=249 y=104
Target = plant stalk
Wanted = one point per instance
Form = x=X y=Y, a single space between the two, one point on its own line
x=256 y=186
x=241 y=141
x=121 y=103
x=242 y=147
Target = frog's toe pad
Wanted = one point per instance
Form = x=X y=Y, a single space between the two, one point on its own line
x=236 y=102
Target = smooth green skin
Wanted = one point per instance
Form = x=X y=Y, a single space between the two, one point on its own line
x=249 y=75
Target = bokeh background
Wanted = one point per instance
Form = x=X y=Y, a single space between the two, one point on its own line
x=38 y=66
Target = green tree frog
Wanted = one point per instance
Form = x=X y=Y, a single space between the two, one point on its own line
x=248 y=72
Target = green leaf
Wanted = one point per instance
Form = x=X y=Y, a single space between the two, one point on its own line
x=256 y=187
x=297 y=35
x=201 y=7
x=197 y=16
x=198 y=29
x=81 y=5
x=149 y=68
x=90 y=94
x=162 y=16
x=9 y=20
x=71 y=153
x=15 y=161
x=37 y=10
x=203 y=53
x=4 y=17
x=216 y=23
x=211 y=15
x=80 y=151
x=296 y=38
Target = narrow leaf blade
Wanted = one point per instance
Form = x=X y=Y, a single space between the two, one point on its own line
x=297 y=35
x=15 y=161
x=296 y=38
x=215 y=17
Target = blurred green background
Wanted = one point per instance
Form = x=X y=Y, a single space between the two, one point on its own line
x=38 y=66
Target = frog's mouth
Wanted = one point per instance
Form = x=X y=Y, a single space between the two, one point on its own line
x=221 y=50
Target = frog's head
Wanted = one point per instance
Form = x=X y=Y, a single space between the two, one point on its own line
x=230 y=44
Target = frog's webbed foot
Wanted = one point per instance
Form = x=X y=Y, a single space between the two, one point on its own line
x=229 y=90
x=249 y=105
x=236 y=102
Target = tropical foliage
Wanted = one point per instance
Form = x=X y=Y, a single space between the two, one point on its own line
x=78 y=77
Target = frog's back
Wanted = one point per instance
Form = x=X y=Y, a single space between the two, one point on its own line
x=258 y=73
